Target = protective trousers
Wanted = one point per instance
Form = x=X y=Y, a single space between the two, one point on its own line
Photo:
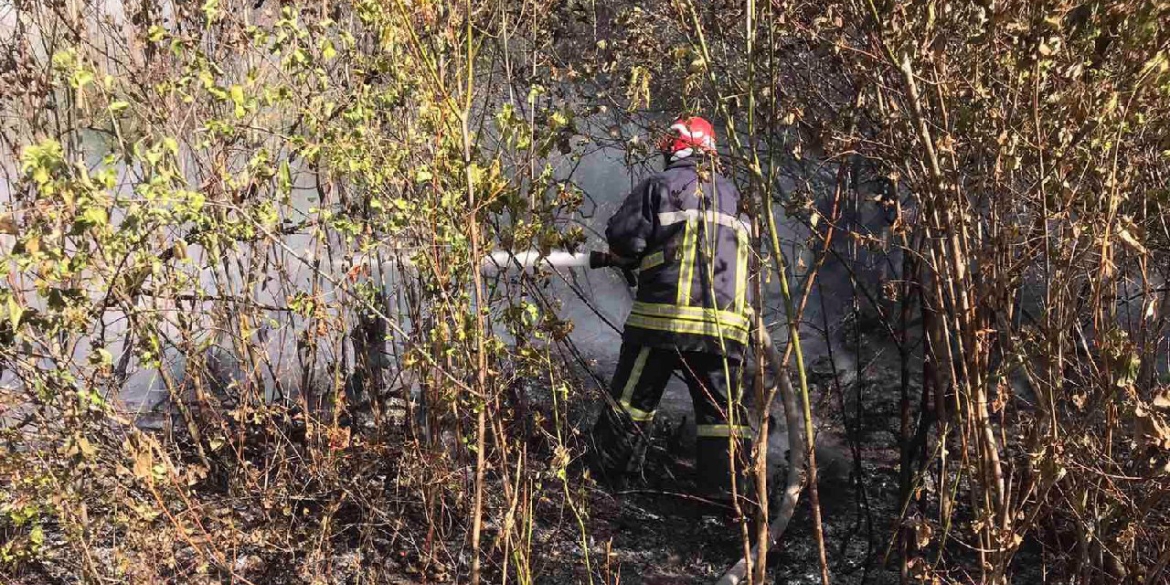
x=619 y=437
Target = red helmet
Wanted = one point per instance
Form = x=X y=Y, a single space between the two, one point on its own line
x=688 y=133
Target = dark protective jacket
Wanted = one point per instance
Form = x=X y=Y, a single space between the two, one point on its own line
x=692 y=248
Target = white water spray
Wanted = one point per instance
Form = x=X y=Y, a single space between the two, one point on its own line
x=504 y=259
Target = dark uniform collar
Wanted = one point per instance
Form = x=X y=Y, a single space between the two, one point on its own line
x=686 y=162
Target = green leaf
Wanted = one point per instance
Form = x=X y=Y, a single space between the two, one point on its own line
x=211 y=9
x=118 y=106
x=82 y=78
x=15 y=312
x=559 y=120
x=284 y=178
x=65 y=59
x=95 y=216
x=477 y=173
x=101 y=357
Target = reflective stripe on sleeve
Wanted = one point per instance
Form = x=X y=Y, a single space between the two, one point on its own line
x=655 y=259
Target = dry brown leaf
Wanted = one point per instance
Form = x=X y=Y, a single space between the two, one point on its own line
x=1162 y=401
x=143 y=463
x=1152 y=423
x=8 y=225
x=1132 y=241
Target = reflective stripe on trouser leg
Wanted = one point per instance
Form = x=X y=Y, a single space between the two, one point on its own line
x=649 y=373
x=635 y=414
x=619 y=436
x=724 y=430
x=721 y=420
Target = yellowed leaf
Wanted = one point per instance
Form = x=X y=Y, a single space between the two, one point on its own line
x=87 y=449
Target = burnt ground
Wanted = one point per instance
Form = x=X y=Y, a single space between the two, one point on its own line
x=656 y=532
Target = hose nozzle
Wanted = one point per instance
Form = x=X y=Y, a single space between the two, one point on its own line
x=599 y=259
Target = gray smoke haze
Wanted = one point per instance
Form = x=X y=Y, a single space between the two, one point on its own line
x=594 y=300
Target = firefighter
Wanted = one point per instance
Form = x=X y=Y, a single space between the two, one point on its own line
x=681 y=229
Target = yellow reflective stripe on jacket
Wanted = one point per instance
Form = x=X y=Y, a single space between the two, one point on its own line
x=689 y=215
x=686 y=270
x=725 y=318
x=741 y=268
x=655 y=259
x=710 y=328
x=737 y=431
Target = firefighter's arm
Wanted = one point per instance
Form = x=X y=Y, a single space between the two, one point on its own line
x=632 y=227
